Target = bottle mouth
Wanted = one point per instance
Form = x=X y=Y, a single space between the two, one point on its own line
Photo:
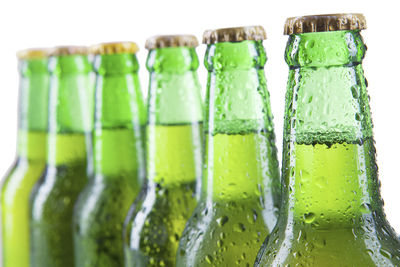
x=325 y=49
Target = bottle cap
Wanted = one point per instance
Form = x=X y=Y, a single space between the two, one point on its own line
x=325 y=23
x=237 y=34
x=33 y=53
x=114 y=48
x=68 y=50
x=161 y=41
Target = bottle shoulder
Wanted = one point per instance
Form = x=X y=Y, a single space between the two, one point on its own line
x=156 y=208
x=220 y=234
x=157 y=199
x=102 y=206
x=372 y=245
x=105 y=196
x=21 y=177
x=57 y=191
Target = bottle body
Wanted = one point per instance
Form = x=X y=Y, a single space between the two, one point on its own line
x=66 y=171
x=29 y=164
x=240 y=187
x=98 y=233
x=118 y=163
x=173 y=139
x=332 y=205
x=52 y=210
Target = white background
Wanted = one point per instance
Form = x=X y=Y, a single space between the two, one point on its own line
x=44 y=23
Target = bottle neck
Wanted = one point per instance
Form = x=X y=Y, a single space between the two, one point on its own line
x=32 y=125
x=119 y=117
x=239 y=129
x=329 y=168
x=326 y=73
x=70 y=109
x=174 y=116
x=174 y=88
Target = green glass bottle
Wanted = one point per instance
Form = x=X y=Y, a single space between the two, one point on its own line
x=332 y=212
x=173 y=139
x=65 y=175
x=118 y=153
x=31 y=156
x=240 y=189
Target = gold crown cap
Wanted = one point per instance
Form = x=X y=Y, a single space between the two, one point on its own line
x=114 y=48
x=68 y=50
x=33 y=53
x=237 y=34
x=325 y=23
x=161 y=41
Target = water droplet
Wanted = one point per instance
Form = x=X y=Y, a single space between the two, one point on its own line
x=386 y=253
x=309 y=217
x=297 y=254
x=309 y=44
x=239 y=227
x=182 y=252
x=320 y=243
x=321 y=181
x=252 y=218
x=370 y=252
x=292 y=172
x=365 y=208
x=66 y=200
x=354 y=91
x=222 y=220
x=209 y=259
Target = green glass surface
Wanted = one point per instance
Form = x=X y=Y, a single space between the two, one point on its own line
x=240 y=187
x=332 y=212
x=173 y=139
x=65 y=175
x=118 y=152
x=29 y=163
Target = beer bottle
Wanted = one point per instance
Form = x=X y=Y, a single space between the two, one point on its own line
x=31 y=156
x=65 y=174
x=332 y=211
x=118 y=157
x=240 y=189
x=173 y=139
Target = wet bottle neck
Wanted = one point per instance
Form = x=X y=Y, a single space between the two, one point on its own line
x=119 y=117
x=174 y=116
x=70 y=109
x=33 y=100
x=329 y=168
x=238 y=127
